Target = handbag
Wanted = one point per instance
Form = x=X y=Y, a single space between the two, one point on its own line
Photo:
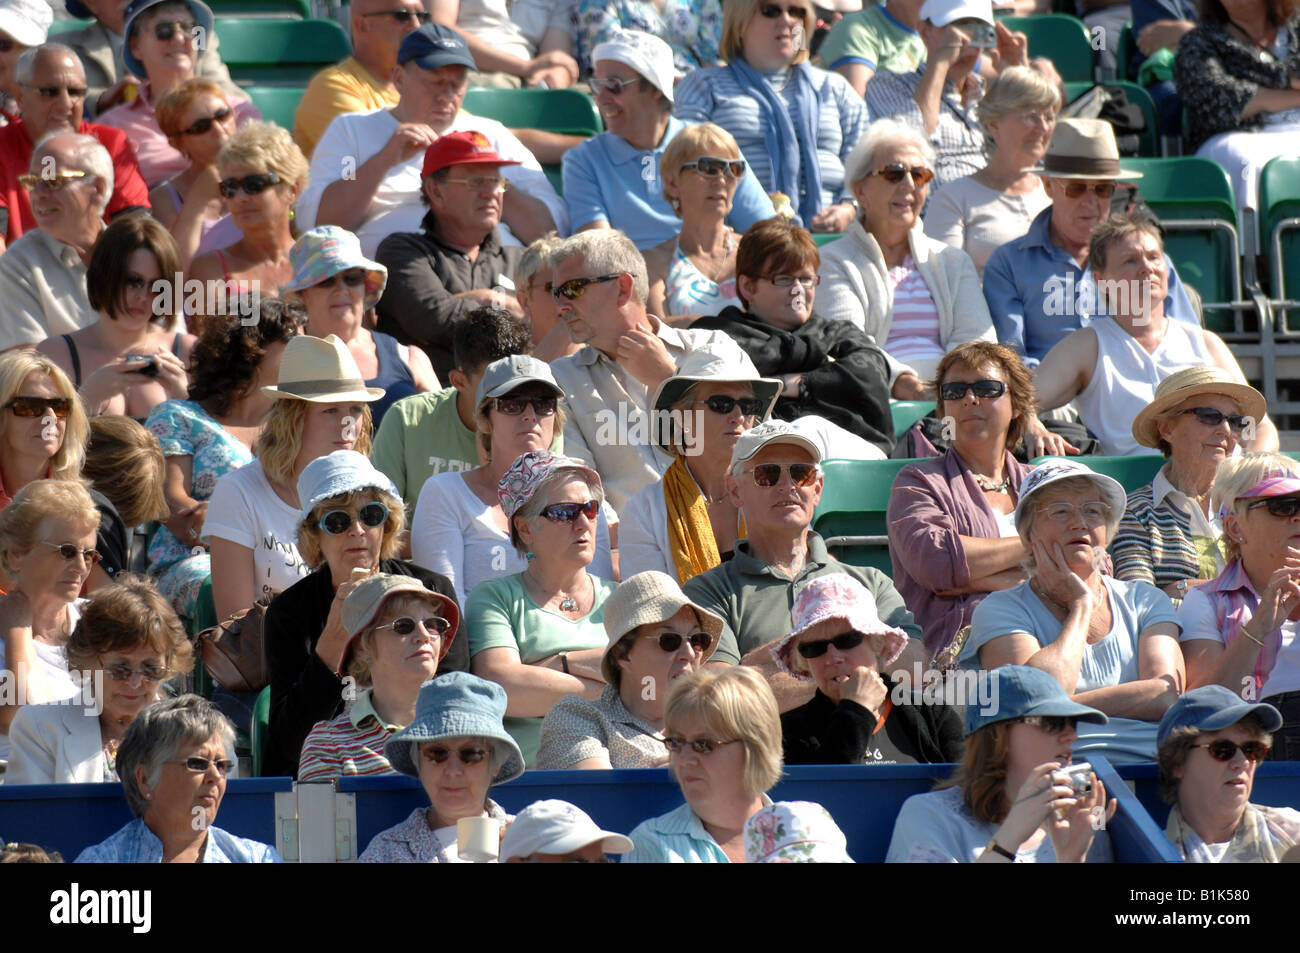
x=234 y=651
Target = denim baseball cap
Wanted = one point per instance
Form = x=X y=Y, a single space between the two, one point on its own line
x=1213 y=708
x=434 y=45
x=1024 y=690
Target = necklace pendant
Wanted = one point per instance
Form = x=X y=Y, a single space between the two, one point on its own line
x=568 y=604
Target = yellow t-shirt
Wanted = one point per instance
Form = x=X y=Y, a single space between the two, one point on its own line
x=346 y=87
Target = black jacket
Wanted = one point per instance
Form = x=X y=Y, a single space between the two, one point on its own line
x=822 y=732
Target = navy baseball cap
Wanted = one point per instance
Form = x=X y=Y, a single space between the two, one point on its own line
x=1020 y=690
x=1213 y=708
x=434 y=45
x=201 y=12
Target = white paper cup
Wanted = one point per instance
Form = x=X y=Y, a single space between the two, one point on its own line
x=478 y=839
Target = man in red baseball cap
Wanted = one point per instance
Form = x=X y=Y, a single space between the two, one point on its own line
x=456 y=262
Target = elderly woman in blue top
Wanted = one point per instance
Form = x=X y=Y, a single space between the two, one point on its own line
x=795 y=124
x=1009 y=800
x=723 y=735
x=1110 y=644
x=611 y=180
x=173 y=763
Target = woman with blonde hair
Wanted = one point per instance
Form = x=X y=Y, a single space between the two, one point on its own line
x=125 y=468
x=43 y=428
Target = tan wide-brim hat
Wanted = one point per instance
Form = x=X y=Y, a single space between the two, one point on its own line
x=1083 y=149
x=644 y=599
x=1195 y=382
x=321 y=370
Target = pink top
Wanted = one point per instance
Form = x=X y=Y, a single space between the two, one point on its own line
x=914 y=329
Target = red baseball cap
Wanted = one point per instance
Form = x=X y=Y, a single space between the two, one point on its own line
x=461 y=148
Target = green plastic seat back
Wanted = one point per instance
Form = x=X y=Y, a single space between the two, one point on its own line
x=1279 y=199
x=1131 y=472
x=205 y=617
x=277 y=103
x=1059 y=37
x=854 y=501
x=279 y=52
x=1149 y=140
x=908 y=412
x=66 y=26
x=556 y=110
x=260 y=729
x=1126 y=51
x=262 y=9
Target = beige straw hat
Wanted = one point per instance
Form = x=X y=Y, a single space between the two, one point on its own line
x=646 y=598
x=321 y=370
x=1194 y=382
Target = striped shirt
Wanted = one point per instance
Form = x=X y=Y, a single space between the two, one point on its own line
x=352 y=743
x=958 y=138
x=914 y=327
x=1163 y=537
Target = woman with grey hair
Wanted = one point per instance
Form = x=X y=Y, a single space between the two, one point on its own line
x=979 y=212
x=917 y=297
x=173 y=764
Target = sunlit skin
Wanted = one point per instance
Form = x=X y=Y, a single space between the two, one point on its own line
x=358 y=548
x=30 y=442
x=648 y=666
x=1212 y=794
x=183 y=804
x=455 y=789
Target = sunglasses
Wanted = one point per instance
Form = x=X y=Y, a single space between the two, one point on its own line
x=70 y=552
x=165 y=31
x=1052 y=724
x=403 y=16
x=439 y=755
x=1212 y=418
x=574 y=288
x=611 y=86
x=1103 y=190
x=699 y=745
x=52 y=181
x=53 y=92
x=201 y=126
x=36 y=406
x=353 y=277
x=710 y=166
x=722 y=404
x=1284 y=507
x=788 y=281
x=122 y=672
x=1094 y=511
x=514 y=406
x=769 y=474
x=1225 y=750
x=338 y=522
x=405 y=625
x=985 y=390
x=894 y=172
x=843 y=642
x=251 y=184
x=569 y=512
x=483 y=183
x=200 y=765
x=672 y=641
x=771 y=11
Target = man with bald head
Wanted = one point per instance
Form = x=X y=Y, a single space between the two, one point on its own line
x=53 y=87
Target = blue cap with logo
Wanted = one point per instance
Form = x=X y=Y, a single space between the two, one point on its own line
x=434 y=45
x=1024 y=690
x=1213 y=708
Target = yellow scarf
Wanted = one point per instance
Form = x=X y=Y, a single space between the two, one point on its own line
x=690 y=534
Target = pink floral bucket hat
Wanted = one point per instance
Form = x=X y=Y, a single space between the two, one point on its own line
x=837 y=596
x=520 y=482
x=795 y=832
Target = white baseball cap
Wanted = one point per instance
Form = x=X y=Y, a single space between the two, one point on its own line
x=943 y=12
x=27 y=21
x=556 y=827
x=647 y=54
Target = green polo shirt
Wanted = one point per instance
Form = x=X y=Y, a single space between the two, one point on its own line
x=873 y=38
x=755 y=601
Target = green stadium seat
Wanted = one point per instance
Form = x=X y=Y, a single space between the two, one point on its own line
x=277 y=103
x=260 y=729
x=555 y=177
x=825 y=238
x=1131 y=472
x=567 y=111
x=1279 y=209
x=279 y=52
x=1061 y=38
x=851 y=514
x=262 y=9
x=1149 y=141
x=66 y=26
x=1126 y=52
x=908 y=412
x=205 y=616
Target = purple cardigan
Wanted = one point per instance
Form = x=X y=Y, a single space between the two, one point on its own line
x=932 y=505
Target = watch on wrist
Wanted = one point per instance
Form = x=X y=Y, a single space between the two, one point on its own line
x=1181 y=586
x=997 y=848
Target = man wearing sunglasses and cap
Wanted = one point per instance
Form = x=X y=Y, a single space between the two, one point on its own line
x=776 y=481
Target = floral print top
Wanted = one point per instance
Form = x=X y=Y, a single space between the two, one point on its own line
x=693 y=28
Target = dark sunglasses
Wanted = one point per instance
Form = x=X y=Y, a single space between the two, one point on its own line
x=1212 y=418
x=1052 y=724
x=1225 y=750
x=984 y=390
x=123 y=672
x=771 y=11
x=769 y=474
x=71 y=552
x=467 y=755
x=844 y=641
x=1103 y=190
x=53 y=92
x=1284 y=507
x=612 y=86
x=699 y=745
x=403 y=16
x=201 y=126
x=894 y=172
x=574 y=288
x=514 y=406
x=35 y=406
x=672 y=641
x=251 y=184
x=352 y=278
x=200 y=765
x=710 y=166
x=165 y=31
x=338 y=522
x=569 y=512
x=722 y=404
x=405 y=625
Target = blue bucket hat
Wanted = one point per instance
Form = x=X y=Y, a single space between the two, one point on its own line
x=324 y=251
x=434 y=45
x=457 y=705
x=1022 y=690
x=334 y=474
x=1213 y=708
x=202 y=17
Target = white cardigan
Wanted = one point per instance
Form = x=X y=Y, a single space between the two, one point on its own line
x=57 y=743
x=855 y=287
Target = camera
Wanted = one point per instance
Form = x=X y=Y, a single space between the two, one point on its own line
x=1079 y=778
x=985 y=37
x=148 y=366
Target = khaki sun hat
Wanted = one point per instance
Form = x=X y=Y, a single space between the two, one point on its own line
x=1195 y=382
x=320 y=370
x=1083 y=149
x=644 y=599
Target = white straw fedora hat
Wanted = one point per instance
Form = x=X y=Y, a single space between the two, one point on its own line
x=321 y=370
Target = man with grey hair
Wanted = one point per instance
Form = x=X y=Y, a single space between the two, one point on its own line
x=43 y=274
x=53 y=96
x=600 y=287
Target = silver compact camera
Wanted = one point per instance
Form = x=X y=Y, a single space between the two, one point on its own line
x=1079 y=778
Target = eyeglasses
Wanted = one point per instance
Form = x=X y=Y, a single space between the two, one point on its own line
x=569 y=512
x=1212 y=418
x=51 y=180
x=439 y=755
x=200 y=765
x=1225 y=750
x=722 y=404
x=612 y=86
x=769 y=474
x=251 y=184
x=201 y=126
x=483 y=183
x=405 y=625
x=710 y=166
x=53 y=92
x=771 y=11
x=672 y=641
x=514 y=406
x=704 y=746
x=123 y=672
x=843 y=642
x=788 y=281
x=36 y=406
x=1094 y=511
x=353 y=278
x=70 y=552
x=574 y=288
x=165 y=31
x=894 y=172
x=402 y=16
x=1283 y=507
x=984 y=390
x=1103 y=190
x=1052 y=724
x=338 y=522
